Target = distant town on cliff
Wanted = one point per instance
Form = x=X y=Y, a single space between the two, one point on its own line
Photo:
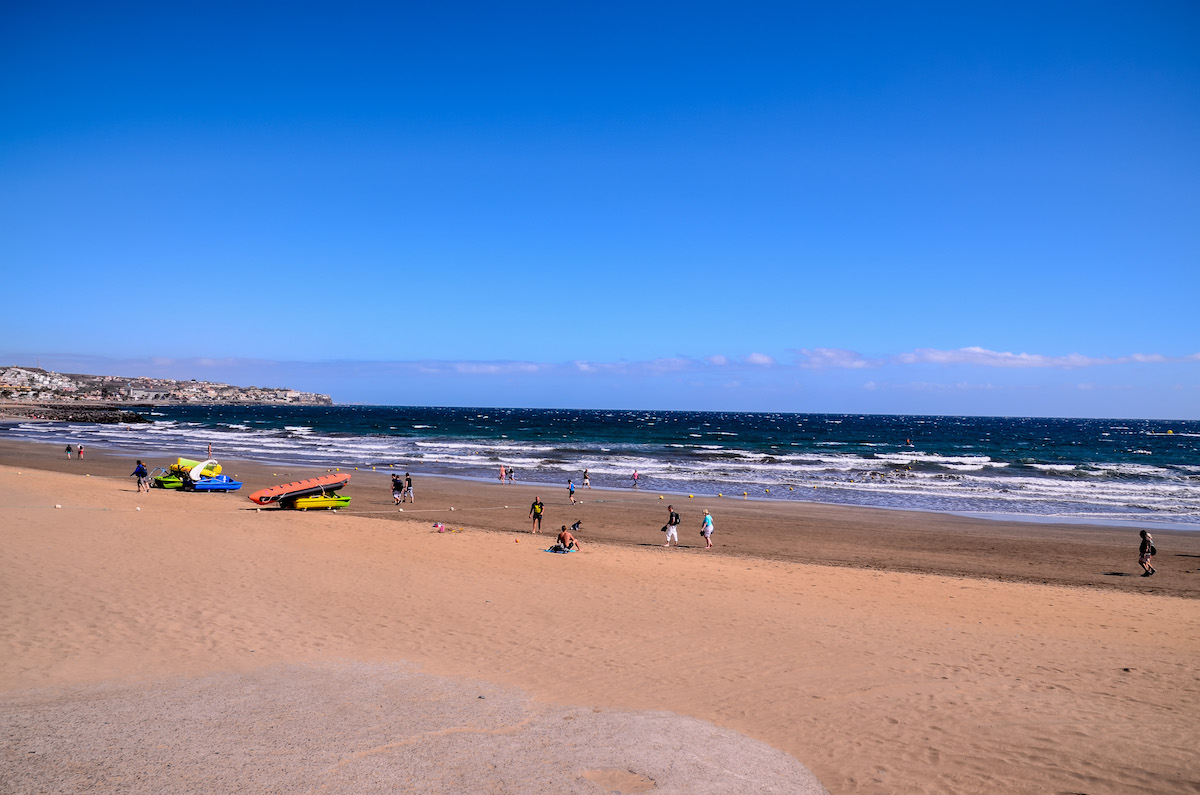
x=35 y=385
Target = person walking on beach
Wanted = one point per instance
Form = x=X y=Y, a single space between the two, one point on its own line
x=143 y=477
x=706 y=529
x=672 y=526
x=635 y=478
x=502 y=473
x=1146 y=551
x=408 y=488
x=535 y=513
x=397 y=490
x=68 y=452
x=587 y=482
x=571 y=491
x=80 y=451
x=566 y=541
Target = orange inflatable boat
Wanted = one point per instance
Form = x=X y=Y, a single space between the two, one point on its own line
x=301 y=488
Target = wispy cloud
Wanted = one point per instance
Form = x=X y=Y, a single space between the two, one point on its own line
x=760 y=360
x=833 y=358
x=983 y=357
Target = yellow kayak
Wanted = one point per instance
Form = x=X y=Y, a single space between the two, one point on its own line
x=212 y=470
x=328 y=500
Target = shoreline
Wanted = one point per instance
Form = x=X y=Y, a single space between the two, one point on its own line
x=878 y=539
x=945 y=473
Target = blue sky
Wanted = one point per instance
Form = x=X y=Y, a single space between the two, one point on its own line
x=896 y=208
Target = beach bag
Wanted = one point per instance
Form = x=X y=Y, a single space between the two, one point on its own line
x=1153 y=550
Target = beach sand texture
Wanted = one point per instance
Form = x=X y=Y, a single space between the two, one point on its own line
x=253 y=633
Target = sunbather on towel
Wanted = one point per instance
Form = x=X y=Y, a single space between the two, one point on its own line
x=566 y=541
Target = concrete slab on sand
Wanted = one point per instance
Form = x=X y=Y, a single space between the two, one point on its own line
x=362 y=728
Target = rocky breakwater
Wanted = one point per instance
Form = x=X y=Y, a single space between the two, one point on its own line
x=103 y=414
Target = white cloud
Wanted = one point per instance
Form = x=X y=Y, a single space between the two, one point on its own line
x=760 y=359
x=840 y=358
x=985 y=358
x=718 y=360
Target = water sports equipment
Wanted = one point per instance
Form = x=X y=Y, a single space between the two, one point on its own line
x=218 y=483
x=188 y=475
x=290 y=492
x=163 y=479
x=329 y=500
x=209 y=468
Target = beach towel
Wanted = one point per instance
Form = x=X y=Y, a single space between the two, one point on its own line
x=558 y=548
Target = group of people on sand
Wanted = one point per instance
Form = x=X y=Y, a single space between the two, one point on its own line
x=401 y=488
x=671 y=528
x=78 y=450
x=508 y=475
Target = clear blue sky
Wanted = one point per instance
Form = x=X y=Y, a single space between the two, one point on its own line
x=896 y=207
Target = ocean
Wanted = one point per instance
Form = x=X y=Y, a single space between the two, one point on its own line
x=1143 y=471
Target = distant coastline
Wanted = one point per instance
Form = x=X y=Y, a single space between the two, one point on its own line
x=24 y=388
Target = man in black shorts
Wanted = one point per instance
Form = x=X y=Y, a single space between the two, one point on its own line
x=535 y=513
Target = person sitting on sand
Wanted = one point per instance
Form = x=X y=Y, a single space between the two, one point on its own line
x=535 y=513
x=566 y=541
x=1145 y=551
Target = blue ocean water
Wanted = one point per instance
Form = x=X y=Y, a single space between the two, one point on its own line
x=1079 y=469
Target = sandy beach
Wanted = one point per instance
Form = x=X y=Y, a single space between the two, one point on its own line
x=886 y=651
